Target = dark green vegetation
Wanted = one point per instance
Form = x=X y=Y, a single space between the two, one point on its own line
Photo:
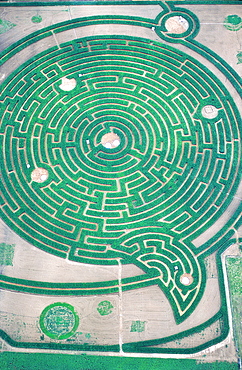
x=30 y=361
x=59 y=321
x=5 y=26
x=174 y=173
x=6 y=254
x=233 y=22
x=234 y=268
x=137 y=201
x=36 y=19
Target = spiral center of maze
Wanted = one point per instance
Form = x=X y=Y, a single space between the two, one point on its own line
x=112 y=138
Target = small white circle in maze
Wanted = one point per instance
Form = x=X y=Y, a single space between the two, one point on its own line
x=209 y=111
x=186 y=279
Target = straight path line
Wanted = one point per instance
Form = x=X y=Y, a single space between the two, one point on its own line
x=120 y=308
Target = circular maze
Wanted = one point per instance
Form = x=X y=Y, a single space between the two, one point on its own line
x=59 y=321
x=171 y=172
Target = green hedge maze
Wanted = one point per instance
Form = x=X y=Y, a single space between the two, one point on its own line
x=59 y=321
x=120 y=150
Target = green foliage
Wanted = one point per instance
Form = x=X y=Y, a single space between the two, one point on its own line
x=6 y=254
x=234 y=267
x=234 y=270
x=140 y=199
x=164 y=175
x=137 y=326
x=233 y=22
x=239 y=57
x=105 y=308
x=5 y=26
x=36 y=19
x=41 y=361
x=59 y=321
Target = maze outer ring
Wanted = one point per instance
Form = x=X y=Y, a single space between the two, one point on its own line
x=60 y=146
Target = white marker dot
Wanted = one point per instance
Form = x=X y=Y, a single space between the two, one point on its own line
x=43 y=177
x=185 y=280
x=209 y=111
x=116 y=142
x=108 y=145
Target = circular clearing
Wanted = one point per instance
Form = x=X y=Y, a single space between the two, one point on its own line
x=110 y=140
x=209 y=111
x=39 y=174
x=67 y=84
x=186 y=279
x=176 y=24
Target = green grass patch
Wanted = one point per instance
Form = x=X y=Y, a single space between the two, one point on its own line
x=6 y=254
x=234 y=270
x=234 y=266
x=37 y=361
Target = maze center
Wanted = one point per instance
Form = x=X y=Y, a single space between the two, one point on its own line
x=119 y=151
x=110 y=140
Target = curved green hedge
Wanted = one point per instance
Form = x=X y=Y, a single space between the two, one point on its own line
x=173 y=174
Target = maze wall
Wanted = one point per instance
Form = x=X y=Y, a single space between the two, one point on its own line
x=168 y=171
